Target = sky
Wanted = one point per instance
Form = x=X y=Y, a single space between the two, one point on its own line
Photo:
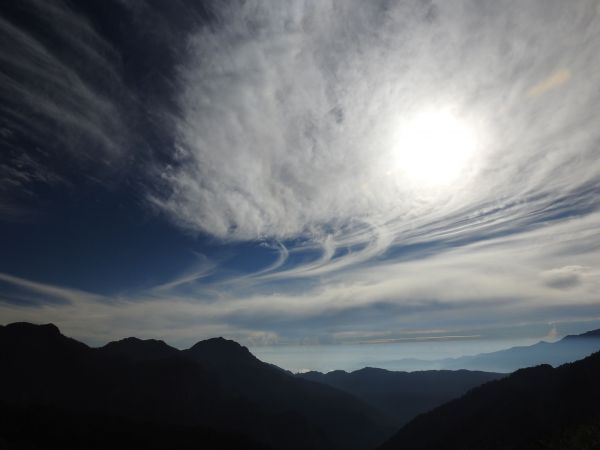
x=298 y=172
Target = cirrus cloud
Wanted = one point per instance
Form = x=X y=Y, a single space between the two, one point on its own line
x=290 y=114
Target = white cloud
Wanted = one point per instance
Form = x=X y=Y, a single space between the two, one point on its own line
x=464 y=291
x=289 y=112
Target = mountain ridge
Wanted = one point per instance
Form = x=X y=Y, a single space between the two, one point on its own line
x=136 y=349
x=568 y=349
x=533 y=408
x=236 y=393
x=218 y=386
x=403 y=395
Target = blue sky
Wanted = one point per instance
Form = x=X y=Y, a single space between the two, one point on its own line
x=300 y=172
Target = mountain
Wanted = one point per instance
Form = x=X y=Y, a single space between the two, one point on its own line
x=134 y=349
x=587 y=334
x=403 y=395
x=339 y=414
x=536 y=408
x=214 y=388
x=569 y=349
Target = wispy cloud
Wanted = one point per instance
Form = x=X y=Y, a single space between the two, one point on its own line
x=464 y=291
x=67 y=295
x=62 y=96
x=44 y=83
x=290 y=113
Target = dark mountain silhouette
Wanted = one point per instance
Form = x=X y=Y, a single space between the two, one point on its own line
x=569 y=349
x=403 y=395
x=277 y=390
x=56 y=392
x=36 y=339
x=219 y=352
x=135 y=349
x=536 y=408
x=215 y=387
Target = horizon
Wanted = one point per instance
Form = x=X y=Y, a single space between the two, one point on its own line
x=403 y=356
x=414 y=175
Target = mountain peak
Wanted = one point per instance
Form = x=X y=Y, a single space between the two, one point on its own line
x=371 y=370
x=137 y=349
x=220 y=350
x=133 y=341
x=48 y=329
x=587 y=334
x=38 y=338
x=219 y=342
x=592 y=333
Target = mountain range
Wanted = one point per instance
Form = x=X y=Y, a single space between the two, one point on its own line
x=217 y=385
x=56 y=392
x=568 y=349
x=403 y=395
x=534 y=408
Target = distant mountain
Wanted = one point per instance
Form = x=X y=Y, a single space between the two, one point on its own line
x=569 y=349
x=535 y=408
x=403 y=395
x=215 y=387
x=587 y=334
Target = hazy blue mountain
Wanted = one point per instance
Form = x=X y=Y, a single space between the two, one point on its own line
x=570 y=348
x=403 y=395
x=215 y=385
x=536 y=408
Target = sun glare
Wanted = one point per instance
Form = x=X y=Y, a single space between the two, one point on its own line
x=433 y=149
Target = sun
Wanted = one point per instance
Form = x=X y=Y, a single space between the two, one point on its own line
x=433 y=148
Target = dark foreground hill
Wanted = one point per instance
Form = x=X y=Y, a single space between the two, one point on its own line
x=144 y=394
x=536 y=408
x=51 y=428
x=404 y=395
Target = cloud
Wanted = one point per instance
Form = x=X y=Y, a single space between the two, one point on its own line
x=290 y=115
x=63 y=295
x=565 y=277
x=288 y=134
x=463 y=291
x=63 y=102
x=66 y=86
